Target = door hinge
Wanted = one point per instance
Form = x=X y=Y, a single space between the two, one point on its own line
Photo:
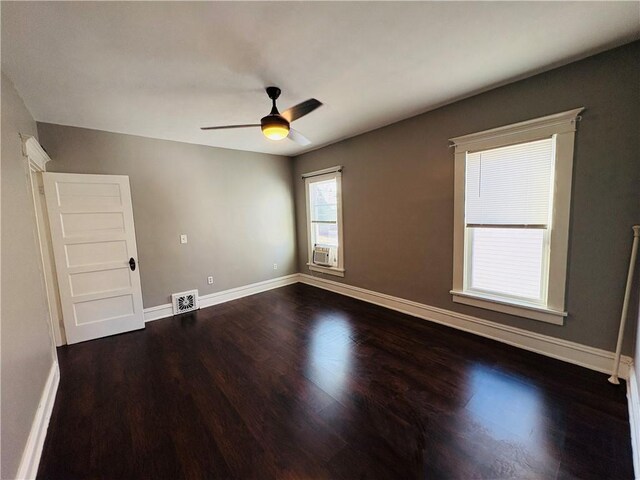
x=41 y=189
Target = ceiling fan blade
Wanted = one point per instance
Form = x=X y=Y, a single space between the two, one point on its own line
x=231 y=126
x=301 y=109
x=297 y=137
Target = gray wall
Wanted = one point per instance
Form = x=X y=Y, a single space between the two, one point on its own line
x=398 y=193
x=27 y=351
x=235 y=207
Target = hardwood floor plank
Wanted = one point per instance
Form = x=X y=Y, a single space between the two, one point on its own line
x=299 y=382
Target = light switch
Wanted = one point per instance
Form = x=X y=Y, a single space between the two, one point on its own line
x=183 y=238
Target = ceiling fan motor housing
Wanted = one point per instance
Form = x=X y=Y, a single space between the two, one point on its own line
x=272 y=120
x=274 y=126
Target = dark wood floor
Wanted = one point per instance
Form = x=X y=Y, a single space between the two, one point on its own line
x=303 y=383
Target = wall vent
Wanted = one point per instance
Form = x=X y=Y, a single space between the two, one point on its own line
x=185 y=301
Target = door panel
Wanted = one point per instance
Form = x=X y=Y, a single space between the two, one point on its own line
x=99 y=253
x=103 y=309
x=93 y=237
x=88 y=224
x=99 y=281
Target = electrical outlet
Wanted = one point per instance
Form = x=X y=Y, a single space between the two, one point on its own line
x=210 y=280
x=275 y=266
x=183 y=238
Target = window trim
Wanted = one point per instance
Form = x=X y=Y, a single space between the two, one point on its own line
x=319 y=176
x=563 y=126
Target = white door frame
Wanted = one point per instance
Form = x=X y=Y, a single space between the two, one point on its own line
x=37 y=159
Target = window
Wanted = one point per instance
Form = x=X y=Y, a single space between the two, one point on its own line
x=512 y=193
x=324 y=220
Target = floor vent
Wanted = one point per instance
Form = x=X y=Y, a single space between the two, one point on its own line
x=185 y=301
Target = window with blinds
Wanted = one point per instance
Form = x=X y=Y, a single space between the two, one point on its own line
x=323 y=209
x=324 y=220
x=508 y=209
x=512 y=205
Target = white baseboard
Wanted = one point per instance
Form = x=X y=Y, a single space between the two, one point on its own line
x=163 y=311
x=30 y=461
x=583 y=355
x=246 y=290
x=633 y=403
x=158 y=312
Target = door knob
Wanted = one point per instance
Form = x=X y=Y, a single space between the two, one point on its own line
x=132 y=264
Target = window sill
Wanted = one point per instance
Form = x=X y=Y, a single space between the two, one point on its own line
x=338 y=272
x=512 y=308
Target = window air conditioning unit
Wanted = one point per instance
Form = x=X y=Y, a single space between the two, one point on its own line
x=325 y=256
x=185 y=302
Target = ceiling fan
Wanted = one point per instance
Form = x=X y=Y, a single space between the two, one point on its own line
x=276 y=125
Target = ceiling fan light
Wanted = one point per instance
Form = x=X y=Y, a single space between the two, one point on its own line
x=275 y=127
x=275 y=132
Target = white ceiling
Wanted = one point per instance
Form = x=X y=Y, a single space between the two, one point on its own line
x=163 y=70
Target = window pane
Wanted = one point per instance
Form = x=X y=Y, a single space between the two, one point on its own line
x=507 y=261
x=323 y=200
x=325 y=234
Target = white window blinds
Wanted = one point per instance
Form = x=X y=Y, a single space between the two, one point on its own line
x=507 y=261
x=510 y=185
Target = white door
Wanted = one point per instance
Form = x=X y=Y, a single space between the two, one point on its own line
x=94 y=245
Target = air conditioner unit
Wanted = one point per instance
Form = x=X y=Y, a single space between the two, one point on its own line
x=325 y=256
x=185 y=302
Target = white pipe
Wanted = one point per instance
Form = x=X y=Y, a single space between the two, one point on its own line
x=625 y=305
